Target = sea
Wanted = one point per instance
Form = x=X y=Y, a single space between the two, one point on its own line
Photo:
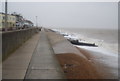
x=108 y=38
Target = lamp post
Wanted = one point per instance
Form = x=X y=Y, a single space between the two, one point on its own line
x=36 y=22
x=6 y=18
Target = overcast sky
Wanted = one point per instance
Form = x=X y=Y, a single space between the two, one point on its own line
x=66 y=14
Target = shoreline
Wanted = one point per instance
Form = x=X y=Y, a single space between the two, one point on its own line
x=105 y=63
x=94 y=67
x=112 y=47
x=82 y=62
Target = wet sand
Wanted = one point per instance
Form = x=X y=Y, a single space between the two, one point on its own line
x=105 y=63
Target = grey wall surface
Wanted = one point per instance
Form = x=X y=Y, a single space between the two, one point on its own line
x=13 y=39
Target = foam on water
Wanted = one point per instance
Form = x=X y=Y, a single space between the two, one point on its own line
x=111 y=46
x=105 y=55
x=99 y=49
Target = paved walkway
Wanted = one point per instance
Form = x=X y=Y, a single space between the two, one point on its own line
x=44 y=64
x=15 y=66
x=35 y=59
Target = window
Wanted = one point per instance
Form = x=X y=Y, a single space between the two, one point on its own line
x=3 y=24
x=3 y=17
x=9 y=17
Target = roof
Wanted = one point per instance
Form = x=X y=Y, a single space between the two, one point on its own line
x=28 y=21
x=7 y=14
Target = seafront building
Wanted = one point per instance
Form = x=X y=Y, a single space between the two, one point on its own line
x=28 y=23
x=11 y=21
x=14 y=21
x=19 y=20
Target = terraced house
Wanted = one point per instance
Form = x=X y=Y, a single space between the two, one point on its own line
x=11 y=21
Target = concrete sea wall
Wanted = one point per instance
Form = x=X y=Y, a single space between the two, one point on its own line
x=11 y=40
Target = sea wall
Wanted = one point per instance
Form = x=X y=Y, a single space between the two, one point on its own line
x=11 y=40
x=61 y=45
x=73 y=62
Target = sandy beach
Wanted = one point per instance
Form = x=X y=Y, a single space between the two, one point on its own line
x=81 y=62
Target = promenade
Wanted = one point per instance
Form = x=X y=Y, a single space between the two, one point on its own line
x=48 y=55
x=35 y=59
